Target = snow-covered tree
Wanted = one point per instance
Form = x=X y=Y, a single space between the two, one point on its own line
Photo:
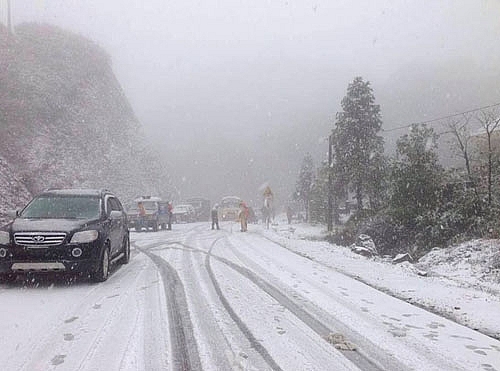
x=461 y=145
x=490 y=121
x=357 y=145
x=416 y=175
x=377 y=181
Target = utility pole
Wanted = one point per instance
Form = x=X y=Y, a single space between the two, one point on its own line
x=9 y=18
x=329 y=220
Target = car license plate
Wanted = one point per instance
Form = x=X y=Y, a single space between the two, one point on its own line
x=38 y=266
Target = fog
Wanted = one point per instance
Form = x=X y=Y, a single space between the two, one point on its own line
x=235 y=93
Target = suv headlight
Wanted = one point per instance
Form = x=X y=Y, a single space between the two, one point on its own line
x=4 y=238
x=84 y=236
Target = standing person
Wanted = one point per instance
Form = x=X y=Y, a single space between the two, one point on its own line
x=244 y=216
x=215 y=216
x=268 y=208
x=170 y=214
x=268 y=193
x=142 y=214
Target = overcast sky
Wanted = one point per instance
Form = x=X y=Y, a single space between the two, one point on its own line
x=233 y=88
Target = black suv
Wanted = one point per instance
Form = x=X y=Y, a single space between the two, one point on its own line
x=66 y=230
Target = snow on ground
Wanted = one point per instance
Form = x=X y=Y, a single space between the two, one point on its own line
x=475 y=263
x=379 y=324
x=462 y=283
x=114 y=325
x=248 y=303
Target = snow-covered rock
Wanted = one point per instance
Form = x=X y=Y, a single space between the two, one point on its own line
x=406 y=257
x=365 y=246
x=361 y=250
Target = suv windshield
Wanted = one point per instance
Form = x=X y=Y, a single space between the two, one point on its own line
x=62 y=207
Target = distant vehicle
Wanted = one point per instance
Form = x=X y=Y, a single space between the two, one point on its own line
x=201 y=206
x=68 y=231
x=229 y=208
x=184 y=213
x=156 y=213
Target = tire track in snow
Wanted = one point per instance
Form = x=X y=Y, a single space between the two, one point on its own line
x=185 y=355
x=111 y=318
x=216 y=325
x=237 y=320
x=356 y=357
x=239 y=323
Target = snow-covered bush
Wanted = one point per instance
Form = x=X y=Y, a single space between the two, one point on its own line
x=389 y=237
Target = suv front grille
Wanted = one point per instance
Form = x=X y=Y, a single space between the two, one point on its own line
x=39 y=239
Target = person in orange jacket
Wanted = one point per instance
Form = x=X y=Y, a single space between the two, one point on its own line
x=244 y=212
x=142 y=215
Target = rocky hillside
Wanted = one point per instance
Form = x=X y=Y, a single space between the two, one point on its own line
x=65 y=121
x=13 y=192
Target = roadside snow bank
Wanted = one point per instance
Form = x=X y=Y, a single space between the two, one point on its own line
x=474 y=263
x=460 y=285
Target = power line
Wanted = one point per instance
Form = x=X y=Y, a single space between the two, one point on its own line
x=441 y=118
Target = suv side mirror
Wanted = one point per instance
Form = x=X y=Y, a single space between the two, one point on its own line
x=13 y=213
x=115 y=215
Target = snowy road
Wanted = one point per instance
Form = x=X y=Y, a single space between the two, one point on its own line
x=197 y=299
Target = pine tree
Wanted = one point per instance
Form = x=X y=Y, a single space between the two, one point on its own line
x=416 y=176
x=357 y=146
x=305 y=182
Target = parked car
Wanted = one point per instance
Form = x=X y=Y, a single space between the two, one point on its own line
x=66 y=230
x=156 y=214
x=184 y=213
x=201 y=206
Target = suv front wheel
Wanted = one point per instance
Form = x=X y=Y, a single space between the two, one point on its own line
x=102 y=272
x=126 y=251
x=7 y=277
